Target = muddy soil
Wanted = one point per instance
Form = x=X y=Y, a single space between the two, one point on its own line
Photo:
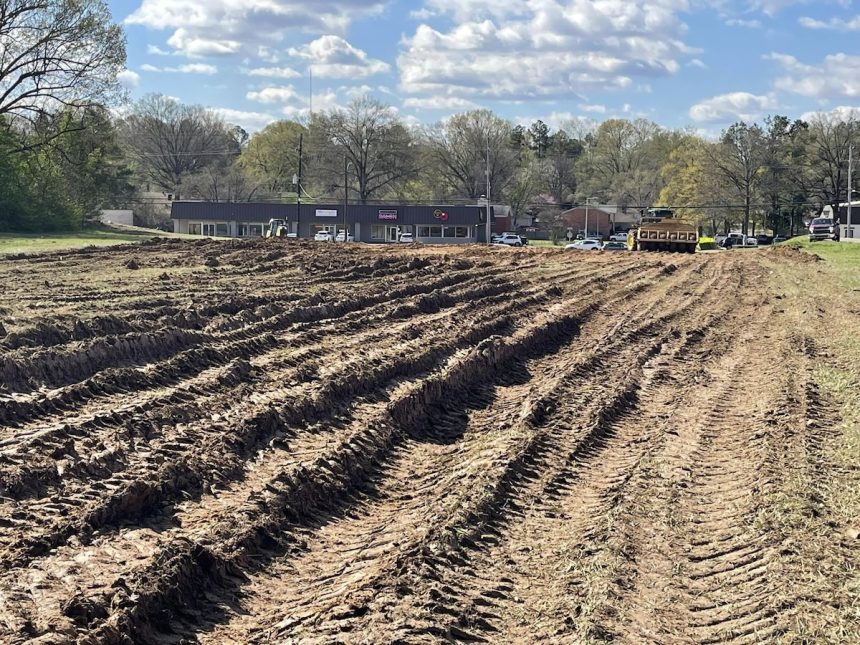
x=294 y=442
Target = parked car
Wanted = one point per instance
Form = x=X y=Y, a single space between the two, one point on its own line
x=323 y=236
x=732 y=239
x=509 y=239
x=340 y=235
x=585 y=245
x=720 y=239
x=823 y=228
x=406 y=238
x=618 y=237
x=751 y=241
x=524 y=240
x=613 y=245
x=764 y=240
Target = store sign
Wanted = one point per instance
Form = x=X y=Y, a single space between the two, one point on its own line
x=388 y=216
x=326 y=213
x=440 y=215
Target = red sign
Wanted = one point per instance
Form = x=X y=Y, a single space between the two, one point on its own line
x=390 y=216
x=440 y=215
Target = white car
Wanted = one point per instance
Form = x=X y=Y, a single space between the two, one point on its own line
x=339 y=237
x=585 y=245
x=618 y=237
x=406 y=238
x=509 y=239
x=751 y=241
x=323 y=236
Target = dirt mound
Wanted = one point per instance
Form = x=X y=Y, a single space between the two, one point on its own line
x=793 y=254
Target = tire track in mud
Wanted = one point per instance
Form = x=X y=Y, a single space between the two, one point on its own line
x=265 y=486
x=407 y=461
x=437 y=593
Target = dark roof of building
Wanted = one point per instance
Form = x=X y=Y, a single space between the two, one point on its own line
x=229 y=211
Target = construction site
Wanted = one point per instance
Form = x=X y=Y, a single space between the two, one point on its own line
x=287 y=442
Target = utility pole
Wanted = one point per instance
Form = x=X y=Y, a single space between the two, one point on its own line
x=345 y=196
x=299 y=190
x=848 y=231
x=489 y=224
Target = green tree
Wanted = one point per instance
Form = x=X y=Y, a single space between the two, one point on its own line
x=272 y=157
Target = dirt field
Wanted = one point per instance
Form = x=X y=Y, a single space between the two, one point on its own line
x=298 y=443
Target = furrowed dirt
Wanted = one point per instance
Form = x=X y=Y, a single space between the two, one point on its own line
x=295 y=442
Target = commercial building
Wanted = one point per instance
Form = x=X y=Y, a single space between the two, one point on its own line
x=439 y=224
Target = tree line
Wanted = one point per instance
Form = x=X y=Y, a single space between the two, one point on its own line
x=70 y=145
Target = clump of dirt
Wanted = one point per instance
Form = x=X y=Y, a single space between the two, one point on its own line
x=794 y=254
x=164 y=276
x=211 y=261
x=2 y=331
x=132 y=264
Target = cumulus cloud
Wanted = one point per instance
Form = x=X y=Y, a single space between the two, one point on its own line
x=250 y=121
x=836 y=24
x=739 y=22
x=840 y=113
x=439 y=103
x=730 y=107
x=597 y=109
x=225 y=26
x=333 y=57
x=191 y=68
x=512 y=50
x=837 y=76
x=283 y=94
x=128 y=79
x=274 y=72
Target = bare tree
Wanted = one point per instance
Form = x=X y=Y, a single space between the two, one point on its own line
x=170 y=141
x=370 y=140
x=461 y=145
x=739 y=160
x=830 y=137
x=56 y=54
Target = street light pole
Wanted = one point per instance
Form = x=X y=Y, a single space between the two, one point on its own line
x=489 y=223
x=298 y=183
x=345 y=195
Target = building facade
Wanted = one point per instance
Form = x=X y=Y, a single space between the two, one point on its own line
x=440 y=224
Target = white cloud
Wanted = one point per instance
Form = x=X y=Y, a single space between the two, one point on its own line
x=196 y=46
x=128 y=78
x=697 y=63
x=250 y=121
x=274 y=72
x=190 y=68
x=333 y=57
x=224 y=26
x=283 y=94
x=837 y=76
x=731 y=107
x=739 y=22
x=513 y=50
x=597 y=109
x=840 y=113
x=836 y=24
x=156 y=51
x=439 y=103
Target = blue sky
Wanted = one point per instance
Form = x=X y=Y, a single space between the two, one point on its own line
x=683 y=63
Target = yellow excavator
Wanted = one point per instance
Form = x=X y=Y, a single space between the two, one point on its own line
x=277 y=228
x=660 y=231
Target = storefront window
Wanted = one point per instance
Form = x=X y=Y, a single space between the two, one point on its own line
x=377 y=232
x=255 y=230
x=209 y=229
x=429 y=231
x=194 y=229
x=222 y=230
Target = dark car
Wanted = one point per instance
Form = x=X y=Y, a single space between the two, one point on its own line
x=823 y=228
x=524 y=239
x=764 y=240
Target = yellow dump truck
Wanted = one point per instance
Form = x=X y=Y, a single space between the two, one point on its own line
x=660 y=231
